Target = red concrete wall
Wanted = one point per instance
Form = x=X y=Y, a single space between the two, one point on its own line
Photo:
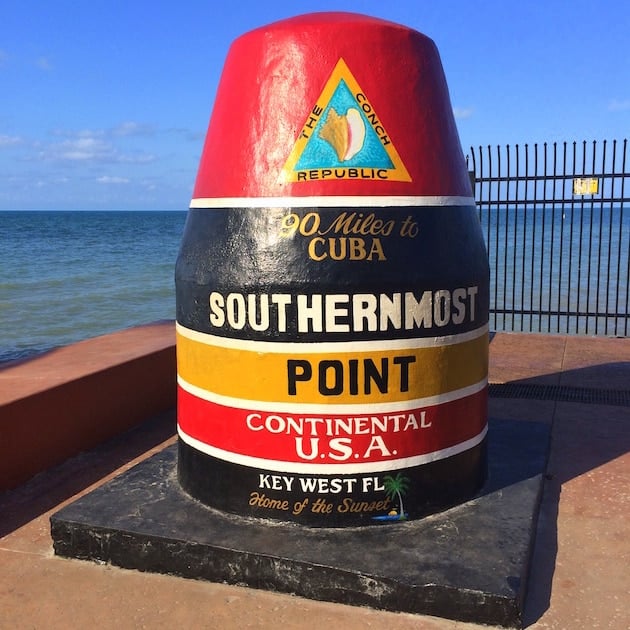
x=71 y=399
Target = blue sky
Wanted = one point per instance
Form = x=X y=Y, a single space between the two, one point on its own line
x=104 y=104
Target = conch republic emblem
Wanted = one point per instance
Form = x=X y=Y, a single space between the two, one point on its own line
x=343 y=137
x=332 y=284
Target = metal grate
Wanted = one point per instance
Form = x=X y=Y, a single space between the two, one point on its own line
x=560 y=393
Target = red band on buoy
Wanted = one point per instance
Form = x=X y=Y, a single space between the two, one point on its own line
x=300 y=438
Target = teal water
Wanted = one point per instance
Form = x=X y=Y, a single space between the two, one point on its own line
x=67 y=276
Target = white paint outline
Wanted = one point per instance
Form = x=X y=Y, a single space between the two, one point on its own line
x=326 y=409
x=350 y=201
x=315 y=347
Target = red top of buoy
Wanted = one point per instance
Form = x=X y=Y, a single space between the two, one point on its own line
x=332 y=104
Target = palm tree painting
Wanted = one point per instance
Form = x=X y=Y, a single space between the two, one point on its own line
x=396 y=487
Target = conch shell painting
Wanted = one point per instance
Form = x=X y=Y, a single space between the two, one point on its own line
x=345 y=133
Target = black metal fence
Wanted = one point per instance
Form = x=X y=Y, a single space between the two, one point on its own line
x=556 y=219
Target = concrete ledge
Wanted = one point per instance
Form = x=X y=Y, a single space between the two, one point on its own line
x=70 y=399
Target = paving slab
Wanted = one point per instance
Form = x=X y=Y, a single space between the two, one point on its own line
x=533 y=357
x=596 y=363
x=582 y=550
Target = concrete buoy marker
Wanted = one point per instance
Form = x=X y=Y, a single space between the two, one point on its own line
x=332 y=284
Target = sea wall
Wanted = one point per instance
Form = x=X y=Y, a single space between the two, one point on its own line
x=72 y=398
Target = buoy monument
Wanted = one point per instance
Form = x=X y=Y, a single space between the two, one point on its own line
x=332 y=284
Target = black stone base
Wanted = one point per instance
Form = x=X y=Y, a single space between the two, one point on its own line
x=468 y=563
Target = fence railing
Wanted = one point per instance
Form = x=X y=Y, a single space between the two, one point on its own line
x=556 y=220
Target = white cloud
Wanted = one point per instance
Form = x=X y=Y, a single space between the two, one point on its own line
x=188 y=134
x=107 y=179
x=98 y=145
x=137 y=158
x=84 y=147
x=462 y=112
x=80 y=150
x=618 y=106
x=43 y=63
x=9 y=141
x=81 y=133
x=130 y=128
x=124 y=129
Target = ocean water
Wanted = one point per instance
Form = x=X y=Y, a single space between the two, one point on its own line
x=68 y=276
x=559 y=269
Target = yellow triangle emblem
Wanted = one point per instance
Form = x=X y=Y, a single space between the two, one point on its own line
x=343 y=138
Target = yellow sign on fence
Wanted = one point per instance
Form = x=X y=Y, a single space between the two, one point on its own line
x=585 y=185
